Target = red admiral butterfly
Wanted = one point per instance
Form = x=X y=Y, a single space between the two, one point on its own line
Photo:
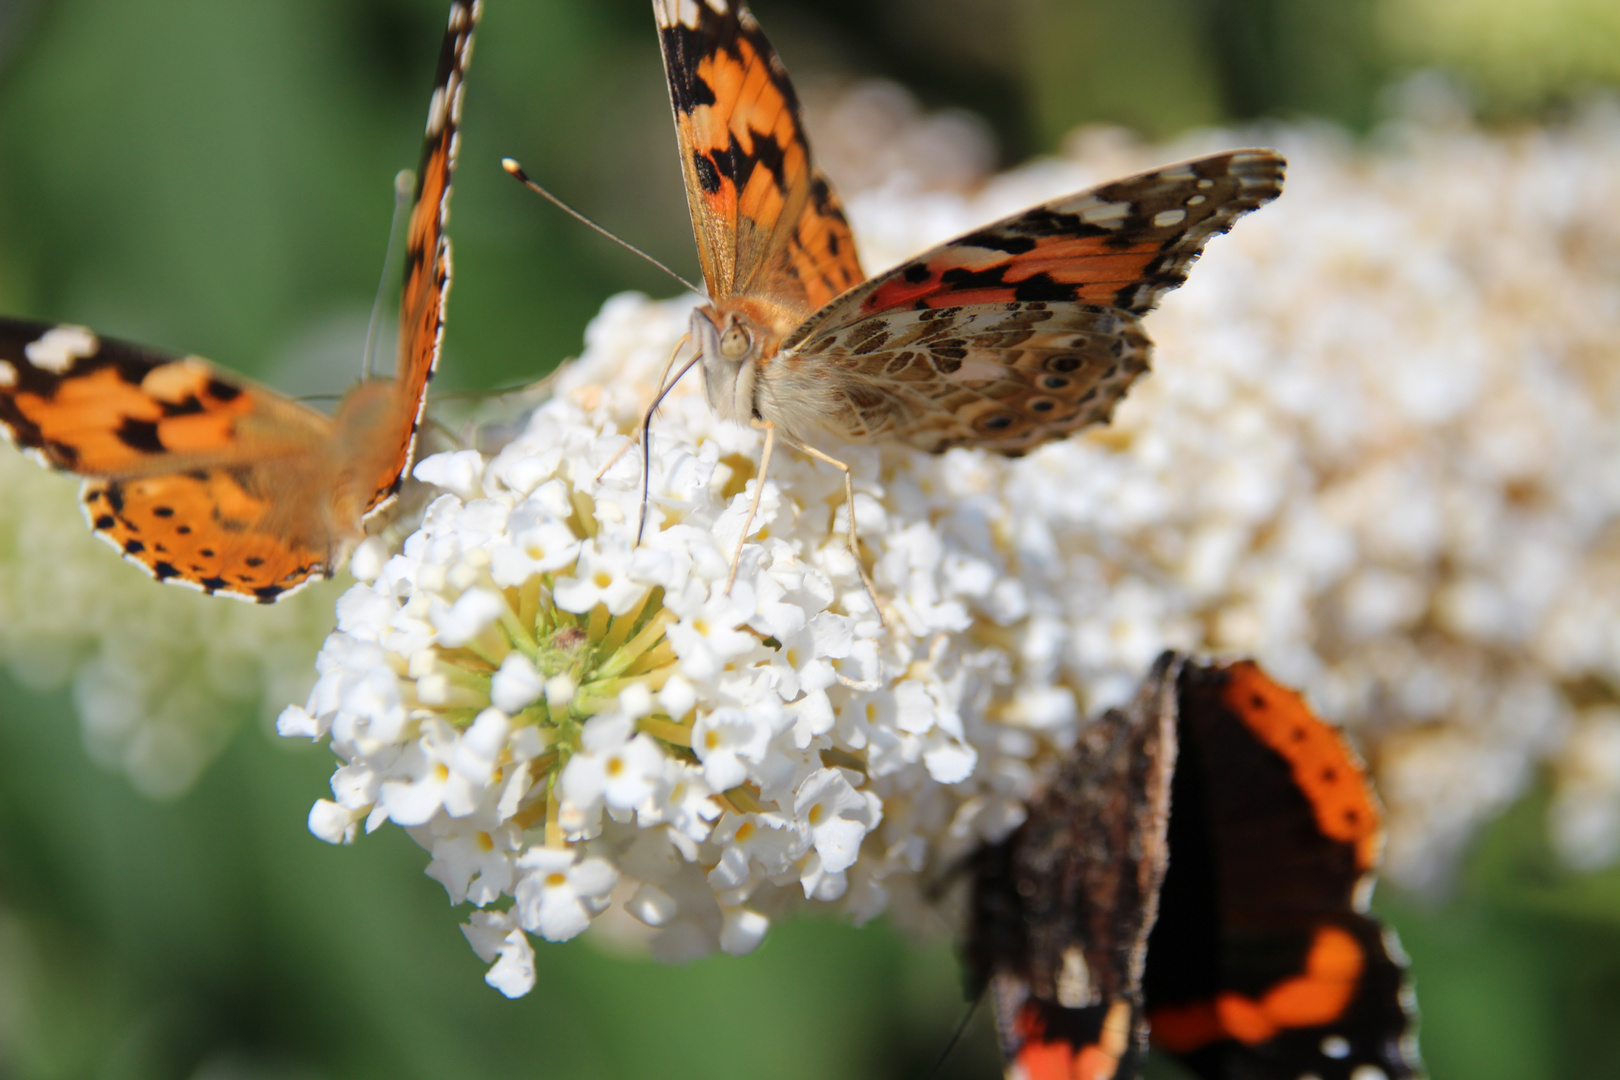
x=1200 y=867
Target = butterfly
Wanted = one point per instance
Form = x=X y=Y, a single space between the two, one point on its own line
x=1199 y=868
x=208 y=480
x=1020 y=332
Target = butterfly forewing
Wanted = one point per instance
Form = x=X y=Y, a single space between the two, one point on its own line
x=1264 y=963
x=767 y=223
x=1124 y=244
x=427 y=248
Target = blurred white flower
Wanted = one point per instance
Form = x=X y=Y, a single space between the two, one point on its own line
x=162 y=678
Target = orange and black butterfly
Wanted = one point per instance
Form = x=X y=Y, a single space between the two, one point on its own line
x=1199 y=869
x=1019 y=332
x=208 y=480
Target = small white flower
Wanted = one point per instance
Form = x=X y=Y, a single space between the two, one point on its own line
x=613 y=766
x=517 y=684
x=601 y=577
x=557 y=897
x=473 y=612
x=742 y=930
x=540 y=543
x=331 y=822
x=497 y=939
x=728 y=740
x=839 y=817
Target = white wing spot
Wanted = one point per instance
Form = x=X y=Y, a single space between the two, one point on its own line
x=718 y=5
x=1074 y=981
x=1361 y=896
x=1166 y=218
x=1369 y=1072
x=1336 y=1047
x=1392 y=945
x=1197 y=200
x=8 y=373
x=1110 y=215
x=1206 y=182
x=60 y=347
x=686 y=13
x=436 y=111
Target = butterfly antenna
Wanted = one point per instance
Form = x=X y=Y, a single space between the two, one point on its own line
x=404 y=184
x=956 y=1036
x=516 y=170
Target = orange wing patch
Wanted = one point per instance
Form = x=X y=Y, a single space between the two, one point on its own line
x=1324 y=766
x=427 y=249
x=211 y=528
x=766 y=223
x=1124 y=244
x=1320 y=996
x=207 y=480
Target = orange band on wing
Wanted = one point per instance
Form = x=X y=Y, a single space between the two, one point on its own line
x=1040 y=1058
x=1324 y=767
x=1319 y=996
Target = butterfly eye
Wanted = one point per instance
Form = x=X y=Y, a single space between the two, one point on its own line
x=735 y=342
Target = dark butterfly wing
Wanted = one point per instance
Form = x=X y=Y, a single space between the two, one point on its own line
x=1264 y=964
x=1062 y=909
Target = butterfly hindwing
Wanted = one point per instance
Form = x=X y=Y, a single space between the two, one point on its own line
x=248 y=547
x=208 y=480
x=1062 y=908
x=1008 y=375
x=1022 y=331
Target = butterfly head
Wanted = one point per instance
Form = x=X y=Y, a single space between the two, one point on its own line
x=729 y=346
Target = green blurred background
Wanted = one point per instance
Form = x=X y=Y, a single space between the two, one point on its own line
x=214 y=176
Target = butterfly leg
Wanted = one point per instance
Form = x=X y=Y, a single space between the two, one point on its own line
x=854 y=537
x=759 y=489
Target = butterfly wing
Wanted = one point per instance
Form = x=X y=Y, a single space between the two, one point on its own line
x=1264 y=962
x=1062 y=909
x=1123 y=244
x=1006 y=376
x=427 y=255
x=208 y=480
x=767 y=222
x=186 y=464
x=1021 y=331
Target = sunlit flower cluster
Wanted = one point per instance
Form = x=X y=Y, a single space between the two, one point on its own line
x=556 y=711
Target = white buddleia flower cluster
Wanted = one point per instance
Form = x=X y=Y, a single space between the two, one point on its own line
x=1377 y=452
x=555 y=710
x=161 y=677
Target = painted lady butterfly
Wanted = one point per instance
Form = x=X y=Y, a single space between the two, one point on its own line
x=208 y=480
x=1017 y=333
